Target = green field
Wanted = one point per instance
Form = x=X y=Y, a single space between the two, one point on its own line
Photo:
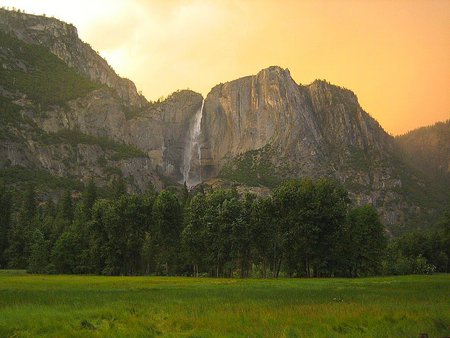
x=91 y=306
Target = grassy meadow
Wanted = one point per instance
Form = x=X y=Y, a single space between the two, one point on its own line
x=95 y=306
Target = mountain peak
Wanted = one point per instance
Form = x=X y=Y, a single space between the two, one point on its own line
x=62 y=40
x=276 y=70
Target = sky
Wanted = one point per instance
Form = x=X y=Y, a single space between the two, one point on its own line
x=395 y=55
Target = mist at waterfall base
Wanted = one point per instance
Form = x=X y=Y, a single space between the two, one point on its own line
x=192 y=156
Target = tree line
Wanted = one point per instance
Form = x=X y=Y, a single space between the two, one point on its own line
x=306 y=228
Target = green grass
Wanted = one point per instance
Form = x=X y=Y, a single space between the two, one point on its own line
x=91 y=306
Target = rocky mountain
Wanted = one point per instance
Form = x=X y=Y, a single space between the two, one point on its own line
x=62 y=40
x=66 y=115
x=428 y=150
x=261 y=128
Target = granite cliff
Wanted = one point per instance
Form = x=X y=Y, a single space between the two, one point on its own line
x=261 y=128
x=85 y=122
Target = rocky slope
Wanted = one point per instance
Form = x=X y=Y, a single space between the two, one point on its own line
x=62 y=40
x=51 y=83
x=428 y=150
x=254 y=131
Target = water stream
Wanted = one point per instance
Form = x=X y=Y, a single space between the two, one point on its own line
x=192 y=154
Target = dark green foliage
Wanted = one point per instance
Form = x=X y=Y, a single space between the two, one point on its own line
x=20 y=234
x=129 y=219
x=9 y=112
x=267 y=237
x=311 y=215
x=252 y=168
x=39 y=178
x=218 y=231
x=66 y=207
x=194 y=233
x=42 y=76
x=168 y=219
x=18 y=241
x=117 y=233
x=5 y=221
x=88 y=199
x=39 y=253
x=420 y=252
x=305 y=229
x=118 y=187
x=74 y=137
x=29 y=206
x=65 y=252
x=362 y=243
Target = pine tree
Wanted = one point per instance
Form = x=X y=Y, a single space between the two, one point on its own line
x=20 y=234
x=168 y=223
x=88 y=199
x=39 y=251
x=5 y=221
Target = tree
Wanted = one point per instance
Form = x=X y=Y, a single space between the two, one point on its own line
x=330 y=212
x=65 y=253
x=66 y=207
x=81 y=225
x=19 y=238
x=39 y=252
x=266 y=234
x=97 y=236
x=193 y=235
x=310 y=214
x=362 y=243
x=168 y=224
x=88 y=199
x=230 y=227
x=29 y=205
x=422 y=251
x=128 y=219
x=218 y=234
x=442 y=244
x=148 y=254
x=5 y=221
x=64 y=215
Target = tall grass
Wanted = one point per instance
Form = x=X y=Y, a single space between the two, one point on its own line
x=93 y=306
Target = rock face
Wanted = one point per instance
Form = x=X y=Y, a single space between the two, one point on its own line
x=255 y=111
x=255 y=131
x=62 y=40
x=314 y=130
x=114 y=114
x=309 y=124
x=159 y=129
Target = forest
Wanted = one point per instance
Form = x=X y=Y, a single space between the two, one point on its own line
x=306 y=228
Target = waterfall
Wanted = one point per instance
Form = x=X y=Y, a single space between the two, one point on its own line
x=192 y=151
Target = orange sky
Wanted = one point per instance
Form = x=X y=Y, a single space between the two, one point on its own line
x=395 y=55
